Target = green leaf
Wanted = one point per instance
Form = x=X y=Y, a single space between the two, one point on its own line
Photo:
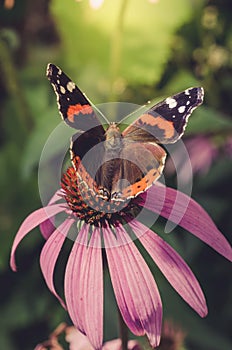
x=143 y=35
x=206 y=120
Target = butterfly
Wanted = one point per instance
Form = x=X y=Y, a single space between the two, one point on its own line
x=112 y=165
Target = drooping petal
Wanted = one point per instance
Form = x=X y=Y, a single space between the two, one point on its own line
x=33 y=220
x=47 y=227
x=84 y=285
x=173 y=267
x=184 y=211
x=50 y=252
x=134 y=286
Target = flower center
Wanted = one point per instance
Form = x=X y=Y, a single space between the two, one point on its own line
x=87 y=206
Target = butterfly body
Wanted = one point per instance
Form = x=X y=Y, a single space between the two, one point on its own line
x=113 y=144
x=113 y=138
x=114 y=166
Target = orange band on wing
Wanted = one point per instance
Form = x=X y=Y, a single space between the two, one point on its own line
x=166 y=125
x=83 y=174
x=74 y=110
x=142 y=185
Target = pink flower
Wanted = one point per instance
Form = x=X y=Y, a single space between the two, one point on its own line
x=135 y=289
x=201 y=152
x=172 y=336
x=78 y=341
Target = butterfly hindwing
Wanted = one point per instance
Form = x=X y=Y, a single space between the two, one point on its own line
x=140 y=165
x=87 y=155
x=165 y=122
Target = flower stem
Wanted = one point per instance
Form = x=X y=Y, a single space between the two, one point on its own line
x=116 y=46
x=123 y=331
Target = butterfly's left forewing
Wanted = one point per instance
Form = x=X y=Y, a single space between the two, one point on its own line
x=165 y=122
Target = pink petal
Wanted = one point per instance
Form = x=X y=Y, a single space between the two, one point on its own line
x=77 y=340
x=116 y=344
x=33 y=220
x=134 y=286
x=184 y=211
x=173 y=267
x=84 y=285
x=50 y=254
x=47 y=227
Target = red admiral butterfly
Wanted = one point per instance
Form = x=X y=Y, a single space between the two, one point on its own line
x=112 y=165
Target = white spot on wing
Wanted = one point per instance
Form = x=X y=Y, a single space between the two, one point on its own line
x=201 y=94
x=171 y=102
x=181 y=109
x=70 y=86
x=62 y=90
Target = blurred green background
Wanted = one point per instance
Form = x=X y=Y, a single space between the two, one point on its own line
x=130 y=51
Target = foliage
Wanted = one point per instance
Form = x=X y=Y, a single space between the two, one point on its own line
x=126 y=45
x=130 y=51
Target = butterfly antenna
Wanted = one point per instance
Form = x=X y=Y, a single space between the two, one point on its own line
x=97 y=109
x=139 y=109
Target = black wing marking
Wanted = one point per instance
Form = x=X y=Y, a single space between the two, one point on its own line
x=165 y=122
